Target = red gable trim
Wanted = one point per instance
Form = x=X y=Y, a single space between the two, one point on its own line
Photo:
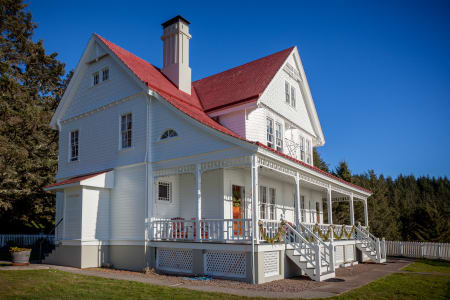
x=76 y=179
x=312 y=167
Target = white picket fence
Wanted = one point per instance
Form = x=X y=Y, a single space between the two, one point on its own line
x=418 y=249
x=22 y=240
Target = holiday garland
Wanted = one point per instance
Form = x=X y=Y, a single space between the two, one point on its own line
x=332 y=228
x=277 y=236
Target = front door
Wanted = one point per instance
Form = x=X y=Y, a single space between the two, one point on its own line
x=239 y=207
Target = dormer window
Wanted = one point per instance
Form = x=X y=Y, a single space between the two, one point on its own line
x=278 y=137
x=95 y=78
x=293 y=96
x=270 y=132
x=169 y=133
x=286 y=90
x=105 y=74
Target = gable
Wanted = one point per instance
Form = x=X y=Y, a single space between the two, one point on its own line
x=87 y=96
x=304 y=114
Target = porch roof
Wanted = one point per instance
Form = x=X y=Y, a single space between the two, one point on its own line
x=102 y=179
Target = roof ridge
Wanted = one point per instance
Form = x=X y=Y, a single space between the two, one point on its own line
x=247 y=63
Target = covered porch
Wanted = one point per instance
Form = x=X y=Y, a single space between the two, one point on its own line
x=213 y=202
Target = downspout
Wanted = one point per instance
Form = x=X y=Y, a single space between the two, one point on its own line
x=146 y=186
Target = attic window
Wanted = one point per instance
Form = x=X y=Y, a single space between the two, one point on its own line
x=95 y=78
x=168 y=134
x=105 y=74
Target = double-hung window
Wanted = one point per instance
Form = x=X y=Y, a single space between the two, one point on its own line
x=293 y=100
x=308 y=151
x=272 y=195
x=263 y=205
x=278 y=137
x=270 y=132
x=302 y=148
x=286 y=90
x=126 y=125
x=74 y=147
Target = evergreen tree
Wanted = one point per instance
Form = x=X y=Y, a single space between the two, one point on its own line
x=319 y=162
x=31 y=81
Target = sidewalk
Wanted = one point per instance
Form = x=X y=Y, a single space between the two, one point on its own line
x=330 y=288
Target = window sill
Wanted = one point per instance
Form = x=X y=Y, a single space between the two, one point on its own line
x=159 y=141
x=123 y=150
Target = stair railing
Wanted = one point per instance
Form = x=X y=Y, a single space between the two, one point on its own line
x=369 y=239
x=318 y=251
x=326 y=250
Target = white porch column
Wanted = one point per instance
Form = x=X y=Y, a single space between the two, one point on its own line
x=198 y=187
x=352 y=211
x=255 y=198
x=330 y=207
x=366 y=214
x=297 y=198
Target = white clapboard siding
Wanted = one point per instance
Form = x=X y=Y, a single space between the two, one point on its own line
x=274 y=97
x=418 y=249
x=95 y=214
x=128 y=203
x=72 y=214
x=88 y=97
x=59 y=215
x=99 y=138
x=191 y=139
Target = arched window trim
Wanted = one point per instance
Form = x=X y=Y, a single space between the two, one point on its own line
x=168 y=133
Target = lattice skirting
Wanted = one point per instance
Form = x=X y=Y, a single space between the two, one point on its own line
x=271 y=263
x=225 y=263
x=175 y=260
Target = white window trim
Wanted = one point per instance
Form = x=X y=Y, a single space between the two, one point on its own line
x=109 y=73
x=281 y=137
x=169 y=137
x=70 y=146
x=120 y=132
x=272 y=205
x=287 y=93
x=272 y=134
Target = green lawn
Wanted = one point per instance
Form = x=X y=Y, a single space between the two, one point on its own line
x=428 y=265
x=52 y=284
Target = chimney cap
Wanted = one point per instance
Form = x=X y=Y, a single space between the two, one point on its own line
x=174 y=20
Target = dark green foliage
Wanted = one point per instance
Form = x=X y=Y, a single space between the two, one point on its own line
x=31 y=82
x=319 y=162
x=407 y=208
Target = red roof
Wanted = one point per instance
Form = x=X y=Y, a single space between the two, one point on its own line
x=240 y=84
x=76 y=179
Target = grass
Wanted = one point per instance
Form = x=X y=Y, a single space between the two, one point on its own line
x=53 y=284
x=428 y=265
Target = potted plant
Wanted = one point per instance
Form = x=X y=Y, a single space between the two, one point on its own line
x=20 y=256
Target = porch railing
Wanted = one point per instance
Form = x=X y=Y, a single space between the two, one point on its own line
x=348 y=234
x=217 y=230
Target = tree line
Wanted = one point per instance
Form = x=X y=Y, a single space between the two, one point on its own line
x=405 y=208
x=31 y=84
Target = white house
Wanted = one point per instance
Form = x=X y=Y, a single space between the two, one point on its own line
x=211 y=177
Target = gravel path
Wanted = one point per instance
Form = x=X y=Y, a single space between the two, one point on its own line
x=292 y=285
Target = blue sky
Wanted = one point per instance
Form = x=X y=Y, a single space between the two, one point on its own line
x=379 y=71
